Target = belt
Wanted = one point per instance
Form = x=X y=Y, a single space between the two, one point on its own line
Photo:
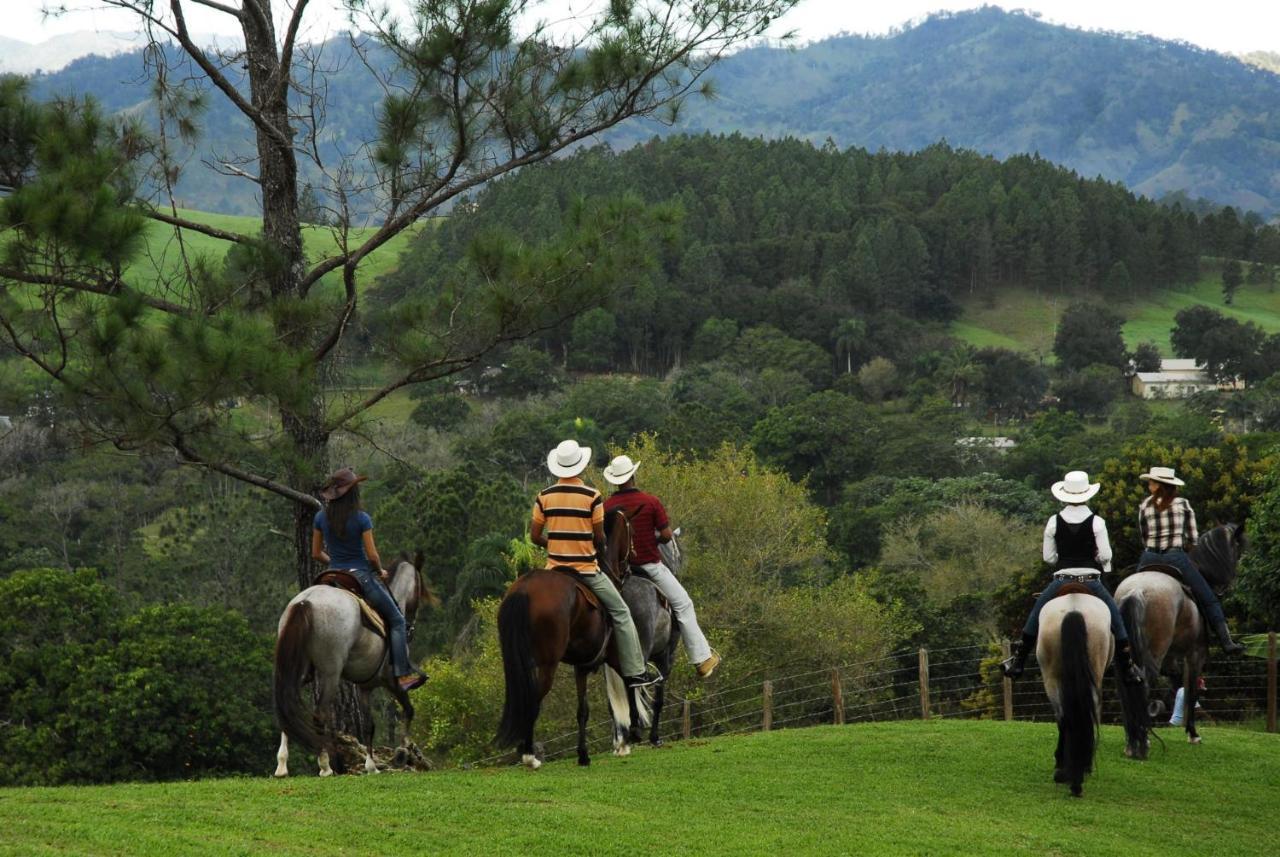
x=1077 y=576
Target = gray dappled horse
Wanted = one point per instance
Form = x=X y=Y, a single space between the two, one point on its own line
x=658 y=638
x=321 y=636
x=1167 y=632
x=1073 y=649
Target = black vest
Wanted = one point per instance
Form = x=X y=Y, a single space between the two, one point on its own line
x=1077 y=547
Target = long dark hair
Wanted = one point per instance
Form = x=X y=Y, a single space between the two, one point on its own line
x=1165 y=495
x=340 y=510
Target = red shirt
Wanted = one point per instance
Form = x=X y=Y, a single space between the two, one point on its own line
x=647 y=518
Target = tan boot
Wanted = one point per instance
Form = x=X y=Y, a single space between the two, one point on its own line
x=707 y=667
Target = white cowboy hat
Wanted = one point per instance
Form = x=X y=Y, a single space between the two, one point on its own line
x=1162 y=474
x=1075 y=488
x=620 y=470
x=568 y=459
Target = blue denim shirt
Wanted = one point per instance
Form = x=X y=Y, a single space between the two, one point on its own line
x=347 y=550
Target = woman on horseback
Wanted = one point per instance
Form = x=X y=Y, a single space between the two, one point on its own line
x=342 y=538
x=1076 y=545
x=1167 y=526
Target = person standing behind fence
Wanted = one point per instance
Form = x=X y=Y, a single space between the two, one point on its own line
x=649 y=526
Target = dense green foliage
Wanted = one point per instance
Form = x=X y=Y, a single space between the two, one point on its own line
x=92 y=693
x=750 y=792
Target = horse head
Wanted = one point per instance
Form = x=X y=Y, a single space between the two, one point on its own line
x=410 y=588
x=1217 y=554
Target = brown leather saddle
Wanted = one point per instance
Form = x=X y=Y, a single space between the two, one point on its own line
x=350 y=584
x=592 y=599
x=1073 y=588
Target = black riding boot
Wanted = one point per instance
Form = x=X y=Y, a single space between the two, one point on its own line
x=1013 y=667
x=1230 y=646
x=1129 y=672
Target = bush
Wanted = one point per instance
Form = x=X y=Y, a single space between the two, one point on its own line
x=90 y=695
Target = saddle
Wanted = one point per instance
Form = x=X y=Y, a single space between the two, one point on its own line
x=1073 y=589
x=1172 y=571
x=592 y=599
x=350 y=584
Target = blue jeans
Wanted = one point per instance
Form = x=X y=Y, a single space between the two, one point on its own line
x=380 y=599
x=1191 y=575
x=1032 y=628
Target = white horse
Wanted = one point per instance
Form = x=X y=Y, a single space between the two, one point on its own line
x=321 y=635
x=1074 y=649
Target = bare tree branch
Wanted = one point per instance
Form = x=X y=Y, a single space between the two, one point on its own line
x=109 y=288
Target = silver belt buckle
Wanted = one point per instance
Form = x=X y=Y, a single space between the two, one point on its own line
x=1082 y=577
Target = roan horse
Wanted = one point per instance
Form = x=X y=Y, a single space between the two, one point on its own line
x=1074 y=647
x=1167 y=631
x=544 y=620
x=656 y=627
x=321 y=636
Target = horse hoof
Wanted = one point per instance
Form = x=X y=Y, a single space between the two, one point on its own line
x=1076 y=791
x=1193 y=739
x=656 y=742
x=1059 y=776
x=584 y=762
x=327 y=773
x=531 y=762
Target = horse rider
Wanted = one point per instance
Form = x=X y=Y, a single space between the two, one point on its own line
x=568 y=520
x=1167 y=526
x=649 y=527
x=342 y=539
x=1076 y=545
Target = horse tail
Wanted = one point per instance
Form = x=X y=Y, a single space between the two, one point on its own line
x=291 y=664
x=522 y=703
x=1078 y=703
x=1133 y=610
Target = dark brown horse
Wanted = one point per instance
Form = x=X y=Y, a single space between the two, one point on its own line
x=545 y=620
x=1167 y=632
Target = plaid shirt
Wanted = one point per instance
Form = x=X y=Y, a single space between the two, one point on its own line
x=1175 y=527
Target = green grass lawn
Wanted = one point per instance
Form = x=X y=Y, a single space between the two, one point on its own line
x=942 y=787
x=1026 y=321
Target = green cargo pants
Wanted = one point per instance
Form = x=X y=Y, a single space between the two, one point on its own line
x=630 y=658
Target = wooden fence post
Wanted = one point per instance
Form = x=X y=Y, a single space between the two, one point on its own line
x=924 y=683
x=686 y=720
x=837 y=698
x=1007 y=682
x=767 y=723
x=1271 y=681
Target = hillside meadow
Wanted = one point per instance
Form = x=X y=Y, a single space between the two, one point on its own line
x=1025 y=320
x=937 y=787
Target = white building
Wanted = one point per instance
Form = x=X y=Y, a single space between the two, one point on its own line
x=1177 y=379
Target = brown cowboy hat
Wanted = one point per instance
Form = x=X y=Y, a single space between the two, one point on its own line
x=340 y=483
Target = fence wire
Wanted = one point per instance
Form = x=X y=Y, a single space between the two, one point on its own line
x=957 y=682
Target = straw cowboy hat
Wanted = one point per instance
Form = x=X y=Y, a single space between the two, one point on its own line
x=1162 y=474
x=568 y=459
x=620 y=470
x=1075 y=488
x=340 y=483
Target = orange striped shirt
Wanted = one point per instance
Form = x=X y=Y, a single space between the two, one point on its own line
x=568 y=512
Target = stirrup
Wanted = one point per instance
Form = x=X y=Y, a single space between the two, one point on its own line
x=1010 y=667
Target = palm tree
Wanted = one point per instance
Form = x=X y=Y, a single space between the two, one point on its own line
x=848 y=336
x=960 y=371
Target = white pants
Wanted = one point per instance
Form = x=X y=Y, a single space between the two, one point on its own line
x=695 y=642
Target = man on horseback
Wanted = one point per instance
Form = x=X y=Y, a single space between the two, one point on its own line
x=1076 y=545
x=1167 y=526
x=568 y=520
x=650 y=527
x=342 y=539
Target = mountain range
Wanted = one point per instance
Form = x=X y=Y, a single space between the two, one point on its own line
x=1162 y=117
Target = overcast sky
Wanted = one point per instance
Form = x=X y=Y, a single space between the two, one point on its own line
x=1225 y=25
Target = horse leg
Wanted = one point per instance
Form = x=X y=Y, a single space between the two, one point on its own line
x=546 y=676
x=1059 y=772
x=660 y=696
x=1190 y=690
x=327 y=690
x=580 y=676
x=370 y=766
x=282 y=757
x=402 y=755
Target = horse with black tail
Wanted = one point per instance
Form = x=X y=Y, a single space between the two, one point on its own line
x=1168 y=632
x=324 y=635
x=657 y=627
x=549 y=617
x=1073 y=648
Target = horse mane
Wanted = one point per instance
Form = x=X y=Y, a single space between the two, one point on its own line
x=1217 y=553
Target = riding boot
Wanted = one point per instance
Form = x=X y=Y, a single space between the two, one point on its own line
x=1013 y=666
x=1230 y=646
x=1129 y=672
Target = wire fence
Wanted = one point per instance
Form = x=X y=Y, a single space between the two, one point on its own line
x=956 y=682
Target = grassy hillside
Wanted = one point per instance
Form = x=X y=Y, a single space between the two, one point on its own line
x=1026 y=321
x=163 y=258
x=887 y=788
